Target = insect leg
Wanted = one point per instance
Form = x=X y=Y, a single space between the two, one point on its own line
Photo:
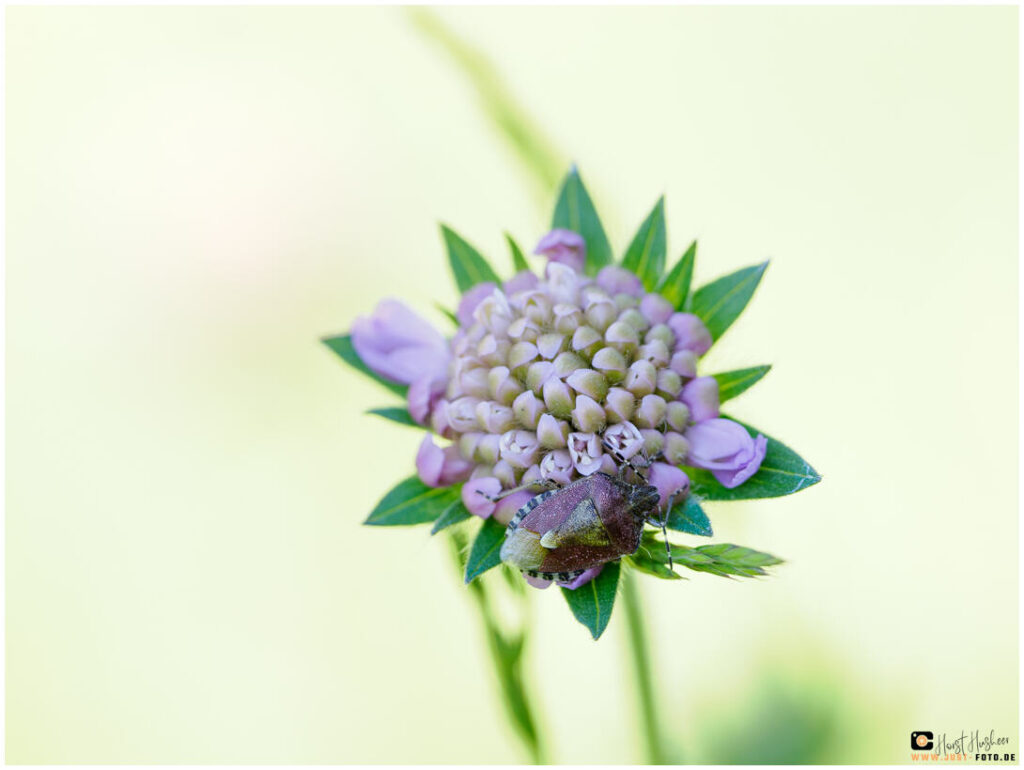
x=619 y=458
x=631 y=464
x=542 y=483
x=638 y=464
x=664 y=534
x=664 y=525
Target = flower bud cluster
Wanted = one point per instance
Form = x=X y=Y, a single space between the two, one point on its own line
x=547 y=377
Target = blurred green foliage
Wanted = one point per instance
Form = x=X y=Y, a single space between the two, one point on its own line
x=796 y=711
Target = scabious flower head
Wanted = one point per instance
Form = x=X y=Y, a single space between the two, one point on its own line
x=547 y=374
x=578 y=371
x=544 y=375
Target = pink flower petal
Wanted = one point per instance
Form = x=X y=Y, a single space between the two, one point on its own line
x=476 y=503
x=583 y=579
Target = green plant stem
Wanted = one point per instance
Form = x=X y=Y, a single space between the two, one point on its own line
x=507 y=655
x=525 y=136
x=655 y=753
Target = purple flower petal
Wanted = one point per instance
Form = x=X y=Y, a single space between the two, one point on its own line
x=656 y=308
x=557 y=466
x=524 y=280
x=690 y=332
x=624 y=439
x=565 y=247
x=460 y=414
x=583 y=579
x=733 y=478
x=440 y=467
x=476 y=503
x=701 y=395
x=684 y=363
x=618 y=280
x=439 y=419
x=586 y=452
x=507 y=506
x=519 y=448
x=399 y=345
x=726 y=449
x=424 y=393
x=429 y=460
x=536 y=582
x=470 y=300
x=668 y=479
x=562 y=284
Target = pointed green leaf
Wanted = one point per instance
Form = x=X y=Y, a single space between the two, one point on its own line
x=483 y=555
x=342 y=346
x=720 y=302
x=447 y=313
x=690 y=518
x=575 y=211
x=592 y=603
x=468 y=265
x=722 y=559
x=643 y=562
x=726 y=559
x=397 y=414
x=739 y=555
x=675 y=287
x=453 y=514
x=646 y=254
x=519 y=263
x=731 y=384
x=411 y=502
x=782 y=472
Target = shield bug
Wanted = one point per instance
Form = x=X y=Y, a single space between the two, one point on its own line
x=561 y=533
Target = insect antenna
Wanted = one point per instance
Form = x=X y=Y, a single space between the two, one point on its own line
x=542 y=483
x=640 y=463
x=623 y=463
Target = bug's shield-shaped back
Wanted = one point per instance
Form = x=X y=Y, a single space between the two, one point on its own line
x=582 y=527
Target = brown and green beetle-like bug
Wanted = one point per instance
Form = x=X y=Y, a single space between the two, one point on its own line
x=561 y=533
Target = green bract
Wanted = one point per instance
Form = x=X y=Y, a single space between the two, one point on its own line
x=592 y=603
x=731 y=384
x=483 y=555
x=675 y=286
x=468 y=266
x=720 y=302
x=575 y=211
x=412 y=502
x=646 y=254
x=689 y=517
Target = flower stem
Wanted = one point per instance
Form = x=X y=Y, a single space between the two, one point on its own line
x=654 y=749
x=507 y=655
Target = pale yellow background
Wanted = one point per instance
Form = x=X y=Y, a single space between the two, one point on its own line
x=195 y=195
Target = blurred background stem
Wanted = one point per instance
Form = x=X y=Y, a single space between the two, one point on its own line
x=506 y=648
x=543 y=164
x=640 y=656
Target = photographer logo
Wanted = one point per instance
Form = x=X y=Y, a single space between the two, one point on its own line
x=926 y=746
x=922 y=740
